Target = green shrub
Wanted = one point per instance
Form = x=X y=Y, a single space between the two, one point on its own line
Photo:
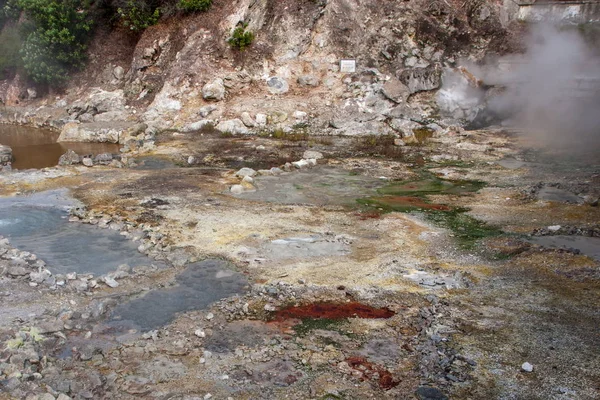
x=10 y=45
x=56 y=41
x=194 y=5
x=241 y=38
x=138 y=15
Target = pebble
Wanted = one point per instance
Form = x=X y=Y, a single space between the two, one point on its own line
x=210 y=316
x=200 y=333
x=526 y=367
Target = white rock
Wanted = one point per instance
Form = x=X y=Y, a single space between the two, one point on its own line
x=270 y=307
x=214 y=90
x=248 y=179
x=248 y=120
x=554 y=228
x=210 y=316
x=261 y=119
x=200 y=333
x=301 y=164
x=196 y=126
x=71 y=276
x=526 y=367
x=237 y=189
x=300 y=115
x=110 y=282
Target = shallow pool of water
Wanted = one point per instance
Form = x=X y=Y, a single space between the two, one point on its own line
x=68 y=247
x=39 y=224
x=37 y=148
x=590 y=246
x=199 y=285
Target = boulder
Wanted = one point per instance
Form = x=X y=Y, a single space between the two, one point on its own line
x=396 y=91
x=5 y=155
x=244 y=172
x=421 y=79
x=214 y=90
x=103 y=101
x=103 y=158
x=277 y=85
x=233 y=126
x=69 y=158
x=93 y=132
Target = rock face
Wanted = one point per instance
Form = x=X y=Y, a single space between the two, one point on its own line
x=5 y=155
x=214 y=90
x=421 y=79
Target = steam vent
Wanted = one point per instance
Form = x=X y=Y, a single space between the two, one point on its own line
x=299 y=199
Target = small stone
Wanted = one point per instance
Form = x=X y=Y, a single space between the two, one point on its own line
x=526 y=367
x=207 y=396
x=270 y=307
x=214 y=90
x=110 y=282
x=554 y=228
x=200 y=333
x=248 y=179
x=87 y=161
x=248 y=120
x=210 y=316
x=261 y=119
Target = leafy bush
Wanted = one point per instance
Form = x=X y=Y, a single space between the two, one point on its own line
x=194 y=5
x=138 y=15
x=56 y=42
x=241 y=38
x=10 y=44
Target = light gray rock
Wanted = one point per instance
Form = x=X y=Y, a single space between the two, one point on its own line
x=110 y=282
x=308 y=80
x=237 y=189
x=110 y=116
x=207 y=110
x=242 y=173
x=214 y=90
x=103 y=158
x=233 y=126
x=527 y=367
x=248 y=120
x=39 y=277
x=5 y=155
x=102 y=101
x=277 y=85
x=17 y=271
x=119 y=73
x=93 y=132
x=31 y=93
x=87 y=161
x=300 y=116
x=196 y=126
x=421 y=79
x=312 y=154
x=396 y=91
x=261 y=119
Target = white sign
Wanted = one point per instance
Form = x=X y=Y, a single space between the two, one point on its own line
x=347 y=66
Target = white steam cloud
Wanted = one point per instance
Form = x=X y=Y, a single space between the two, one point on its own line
x=553 y=90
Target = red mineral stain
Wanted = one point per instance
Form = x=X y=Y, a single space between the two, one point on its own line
x=372 y=371
x=332 y=311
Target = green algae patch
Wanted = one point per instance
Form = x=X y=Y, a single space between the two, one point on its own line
x=466 y=229
x=431 y=185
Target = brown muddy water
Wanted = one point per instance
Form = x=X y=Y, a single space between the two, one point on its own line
x=37 y=148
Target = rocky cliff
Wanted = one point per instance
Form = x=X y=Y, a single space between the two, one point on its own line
x=182 y=74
